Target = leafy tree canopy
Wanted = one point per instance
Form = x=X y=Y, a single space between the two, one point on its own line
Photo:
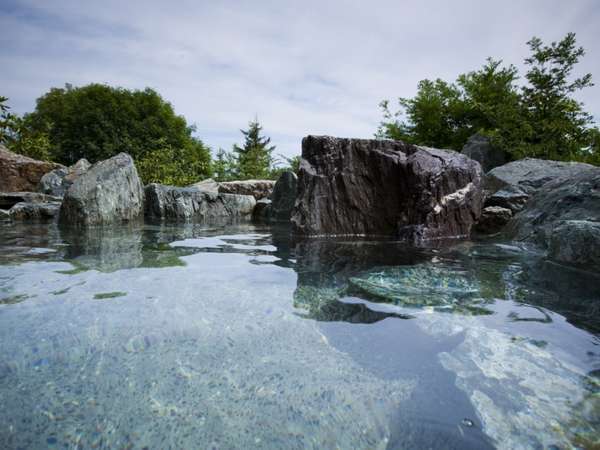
x=540 y=119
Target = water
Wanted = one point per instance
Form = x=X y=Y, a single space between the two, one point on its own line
x=240 y=337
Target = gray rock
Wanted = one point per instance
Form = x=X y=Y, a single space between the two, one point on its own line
x=257 y=188
x=511 y=197
x=109 y=192
x=59 y=180
x=383 y=187
x=9 y=199
x=21 y=173
x=548 y=216
x=530 y=174
x=576 y=242
x=493 y=219
x=284 y=197
x=479 y=148
x=262 y=210
x=34 y=211
x=192 y=204
x=208 y=185
x=4 y=214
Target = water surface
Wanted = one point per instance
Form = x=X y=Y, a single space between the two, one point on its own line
x=242 y=337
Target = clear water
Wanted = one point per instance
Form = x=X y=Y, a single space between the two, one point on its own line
x=239 y=337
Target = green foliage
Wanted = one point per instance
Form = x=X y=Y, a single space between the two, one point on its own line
x=254 y=159
x=98 y=121
x=225 y=167
x=540 y=119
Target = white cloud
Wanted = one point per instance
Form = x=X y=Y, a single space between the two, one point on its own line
x=302 y=67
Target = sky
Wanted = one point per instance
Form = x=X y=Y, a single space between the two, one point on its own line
x=301 y=67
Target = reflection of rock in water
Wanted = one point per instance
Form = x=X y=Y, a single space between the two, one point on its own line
x=524 y=396
x=420 y=286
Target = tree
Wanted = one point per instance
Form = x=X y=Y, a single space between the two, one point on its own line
x=255 y=157
x=225 y=167
x=559 y=125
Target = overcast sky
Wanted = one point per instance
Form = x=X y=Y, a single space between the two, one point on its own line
x=306 y=67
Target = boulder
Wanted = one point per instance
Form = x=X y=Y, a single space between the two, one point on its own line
x=479 y=148
x=530 y=174
x=4 y=215
x=262 y=210
x=561 y=217
x=284 y=197
x=257 y=188
x=576 y=242
x=109 y=192
x=208 y=185
x=192 y=204
x=511 y=197
x=493 y=219
x=57 y=181
x=34 y=211
x=384 y=187
x=21 y=173
x=9 y=199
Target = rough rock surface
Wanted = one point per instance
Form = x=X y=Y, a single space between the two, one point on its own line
x=257 y=188
x=4 y=214
x=479 y=148
x=109 y=192
x=493 y=219
x=208 y=185
x=576 y=242
x=284 y=197
x=530 y=174
x=510 y=197
x=192 y=204
x=34 y=211
x=9 y=199
x=262 y=210
x=563 y=211
x=59 y=180
x=20 y=173
x=383 y=187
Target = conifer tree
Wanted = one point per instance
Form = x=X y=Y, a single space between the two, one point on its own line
x=255 y=156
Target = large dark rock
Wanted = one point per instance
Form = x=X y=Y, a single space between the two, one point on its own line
x=109 y=192
x=511 y=197
x=284 y=197
x=20 y=173
x=59 y=180
x=479 y=148
x=530 y=174
x=262 y=210
x=493 y=219
x=191 y=204
x=383 y=187
x=563 y=216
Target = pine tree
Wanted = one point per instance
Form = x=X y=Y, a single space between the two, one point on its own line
x=255 y=157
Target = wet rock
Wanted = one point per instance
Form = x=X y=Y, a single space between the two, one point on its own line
x=576 y=242
x=109 y=192
x=565 y=210
x=4 y=214
x=192 y=204
x=9 y=199
x=284 y=197
x=383 y=187
x=493 y=219
x=262 y=210
x=34 y=211
x=511 y=197
x=21 y=173
x=479 y=148
x=530 y=174
x=257 y=188
x=59 y=180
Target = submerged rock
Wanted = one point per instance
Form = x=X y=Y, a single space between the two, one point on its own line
x=109 y=192
x=383 y=187
x=21 y=173
x=59 y=180
x=576 y=242
x=493 y=219
x=191 y=204
x=479 y=148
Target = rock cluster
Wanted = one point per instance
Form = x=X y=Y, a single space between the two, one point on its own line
x=58 y=181
x=383 y=187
